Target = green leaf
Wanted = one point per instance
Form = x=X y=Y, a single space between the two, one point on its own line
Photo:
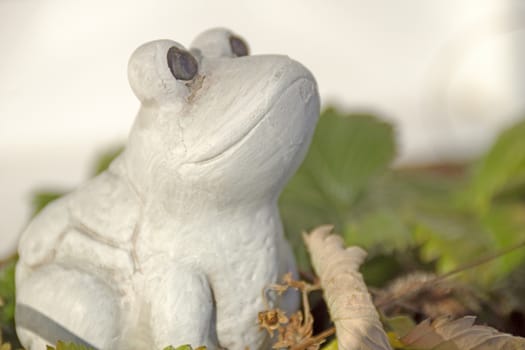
x=452 y=241
x=378 y=269
x=400 y=325
x=43 y=198
x=382 y=228
x=505 y=224
x=503 y=167
x=346 y=154
x=332 y=345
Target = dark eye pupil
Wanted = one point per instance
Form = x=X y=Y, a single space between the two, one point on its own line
x=182 y=64
x=238 y=46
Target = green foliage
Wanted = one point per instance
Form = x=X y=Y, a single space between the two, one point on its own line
x=441 y=212
x=184 y=347
x=335 y=173
x=369 y=230
x=400 y=325
x=501 y=170
x=7 y=301
x=490 y=211
x=43 y=198
x=7 y=292
x=331 y=345
x=496 y=197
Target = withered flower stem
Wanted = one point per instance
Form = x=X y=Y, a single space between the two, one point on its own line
x=317 y=339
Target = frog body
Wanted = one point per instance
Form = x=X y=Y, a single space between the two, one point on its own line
x=174 y=243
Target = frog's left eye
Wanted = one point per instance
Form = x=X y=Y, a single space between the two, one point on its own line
x=182 y=64
x=238 y=46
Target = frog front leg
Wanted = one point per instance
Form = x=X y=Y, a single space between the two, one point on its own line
x=182 y=308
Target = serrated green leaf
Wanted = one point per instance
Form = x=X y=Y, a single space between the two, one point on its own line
x=346 y=154
x=347 y=151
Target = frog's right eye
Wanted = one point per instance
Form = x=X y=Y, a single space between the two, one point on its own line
x=238 y=46
x=182 y=64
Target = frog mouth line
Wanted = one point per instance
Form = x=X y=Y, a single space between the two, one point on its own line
x=246 y=135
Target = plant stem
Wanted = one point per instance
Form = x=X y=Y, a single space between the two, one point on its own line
x=443 y=277
x=321 y=336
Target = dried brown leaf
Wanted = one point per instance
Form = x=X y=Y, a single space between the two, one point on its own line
x=461 y=334
x=350 y=305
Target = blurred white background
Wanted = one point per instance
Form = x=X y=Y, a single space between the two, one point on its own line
x=449 y=73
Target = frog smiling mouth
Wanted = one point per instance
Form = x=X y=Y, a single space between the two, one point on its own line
x=298 y=83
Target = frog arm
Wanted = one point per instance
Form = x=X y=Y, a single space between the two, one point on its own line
x=38 y=241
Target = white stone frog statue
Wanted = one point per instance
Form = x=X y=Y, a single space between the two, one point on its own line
x=174 y=243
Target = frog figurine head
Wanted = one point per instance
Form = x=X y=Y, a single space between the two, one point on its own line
x=217 y=121
x=175 y=242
